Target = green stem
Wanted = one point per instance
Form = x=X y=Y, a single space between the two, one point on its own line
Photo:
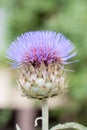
x=45 y=121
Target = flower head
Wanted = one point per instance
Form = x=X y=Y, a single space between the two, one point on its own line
x=38 y=55
x=41 y=46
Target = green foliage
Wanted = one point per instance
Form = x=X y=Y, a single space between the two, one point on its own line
x=4 y=117
x=78 y=87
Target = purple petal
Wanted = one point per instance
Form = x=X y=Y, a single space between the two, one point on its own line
x=41 y=46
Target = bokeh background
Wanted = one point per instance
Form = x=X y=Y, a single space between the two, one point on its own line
x=66 y=16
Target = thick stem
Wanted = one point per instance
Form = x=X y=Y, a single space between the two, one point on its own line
x=45 y=121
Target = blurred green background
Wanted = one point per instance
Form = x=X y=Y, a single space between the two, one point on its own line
x=66 y=16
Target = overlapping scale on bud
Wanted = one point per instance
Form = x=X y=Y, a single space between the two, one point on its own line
x=43 y=81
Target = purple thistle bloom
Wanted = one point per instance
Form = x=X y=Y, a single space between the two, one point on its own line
x=41 y=46
x=39 y=55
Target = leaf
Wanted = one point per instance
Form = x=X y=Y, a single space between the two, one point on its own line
x=69 y=125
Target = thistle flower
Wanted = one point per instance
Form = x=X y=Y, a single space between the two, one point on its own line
x=40 y=56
